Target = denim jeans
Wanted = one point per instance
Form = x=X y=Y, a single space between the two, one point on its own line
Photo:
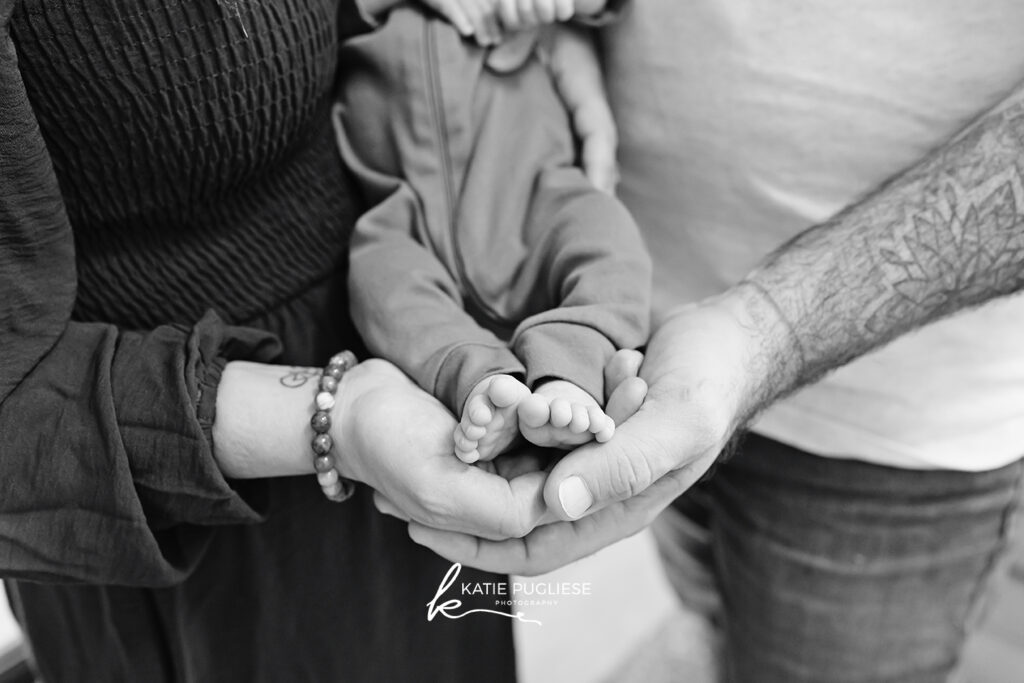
x=833 y=571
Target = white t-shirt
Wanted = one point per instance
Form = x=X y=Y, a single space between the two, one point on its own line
x=744 y=122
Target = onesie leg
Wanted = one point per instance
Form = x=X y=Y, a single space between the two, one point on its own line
x=489 y=421
x=560 y=414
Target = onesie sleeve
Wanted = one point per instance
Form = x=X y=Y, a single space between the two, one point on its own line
x=107 y=472
x=596 y=274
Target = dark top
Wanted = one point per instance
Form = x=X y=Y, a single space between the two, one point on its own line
x=159 y=159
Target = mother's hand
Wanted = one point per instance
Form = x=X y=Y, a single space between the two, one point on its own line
x=397 y=439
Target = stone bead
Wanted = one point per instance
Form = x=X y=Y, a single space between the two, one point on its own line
x=328 y=384
x=324 y=401
x=332 y=490
x=345 y=359
x=335 y=371
x=322 y=444
x=347 y=489
x=328 y=478
x=324 y=463
x=321 y=421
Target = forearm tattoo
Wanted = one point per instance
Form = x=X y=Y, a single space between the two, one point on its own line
x=945 y=235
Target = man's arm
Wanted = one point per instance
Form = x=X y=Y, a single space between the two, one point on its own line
x=945 y=235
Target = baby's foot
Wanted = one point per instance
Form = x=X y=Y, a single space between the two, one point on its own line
x=489 y=423
x=560 y=414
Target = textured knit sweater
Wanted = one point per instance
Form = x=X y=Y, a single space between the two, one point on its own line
x=170 y=195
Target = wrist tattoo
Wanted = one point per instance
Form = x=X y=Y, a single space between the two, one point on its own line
x=299 y=377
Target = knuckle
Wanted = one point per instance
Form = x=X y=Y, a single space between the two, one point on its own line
x=630 y=476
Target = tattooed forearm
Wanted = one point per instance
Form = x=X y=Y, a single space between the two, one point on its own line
x=298 y=377
x=945 y=235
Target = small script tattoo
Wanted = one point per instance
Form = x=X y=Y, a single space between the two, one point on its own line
x=299 y=377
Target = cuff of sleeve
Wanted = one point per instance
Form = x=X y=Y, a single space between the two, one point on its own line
x=171 y=452
x=567 y=351
x=466 y=365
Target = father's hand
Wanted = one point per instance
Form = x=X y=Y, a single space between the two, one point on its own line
x=705 y=367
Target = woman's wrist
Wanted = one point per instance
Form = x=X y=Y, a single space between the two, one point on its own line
x=262 y=428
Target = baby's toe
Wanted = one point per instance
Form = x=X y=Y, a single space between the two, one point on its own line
x=472 y=431
x=607 y=432
x=468 y=457
x=462 y=442
x=597 y=419
x=504 y=391
x=561 y=413
x=534 y=411
x=580 y=419
x=478 y=412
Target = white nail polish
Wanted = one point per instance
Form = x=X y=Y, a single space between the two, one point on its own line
x=575 y=497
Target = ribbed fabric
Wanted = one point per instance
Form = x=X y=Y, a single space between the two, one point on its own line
x=191 y=146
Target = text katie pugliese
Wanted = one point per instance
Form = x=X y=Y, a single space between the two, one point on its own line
x=527 y=588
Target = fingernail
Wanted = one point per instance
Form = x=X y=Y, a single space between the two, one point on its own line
x=575 y=497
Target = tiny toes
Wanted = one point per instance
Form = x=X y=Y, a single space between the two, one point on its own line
x=580 y=419
x=468 y=457
x=534 y=411
x=597 y=419
x=605 y=430
x=478 y=411
x=473 y=432
x=462 y=442
x=561 y=413
x=505 y=391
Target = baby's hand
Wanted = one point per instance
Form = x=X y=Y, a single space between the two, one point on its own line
x=521 y=14
x=487 y=20
x=476 y=18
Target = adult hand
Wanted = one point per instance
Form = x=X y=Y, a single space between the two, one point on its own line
x=397 y=439
x=705 y=367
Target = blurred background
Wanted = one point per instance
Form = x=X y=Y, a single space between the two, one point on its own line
x=631 y=629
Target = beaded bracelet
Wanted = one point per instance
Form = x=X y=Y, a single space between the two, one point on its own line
x=335 y=487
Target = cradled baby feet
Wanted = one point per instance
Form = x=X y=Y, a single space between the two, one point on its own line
x=489 y=423
x=559 y=414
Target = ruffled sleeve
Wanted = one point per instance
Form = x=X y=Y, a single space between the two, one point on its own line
x=107 y=472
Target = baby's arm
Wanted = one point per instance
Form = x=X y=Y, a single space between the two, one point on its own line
x=576 y=70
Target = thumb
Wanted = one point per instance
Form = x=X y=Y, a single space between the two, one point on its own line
x=644 y=449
